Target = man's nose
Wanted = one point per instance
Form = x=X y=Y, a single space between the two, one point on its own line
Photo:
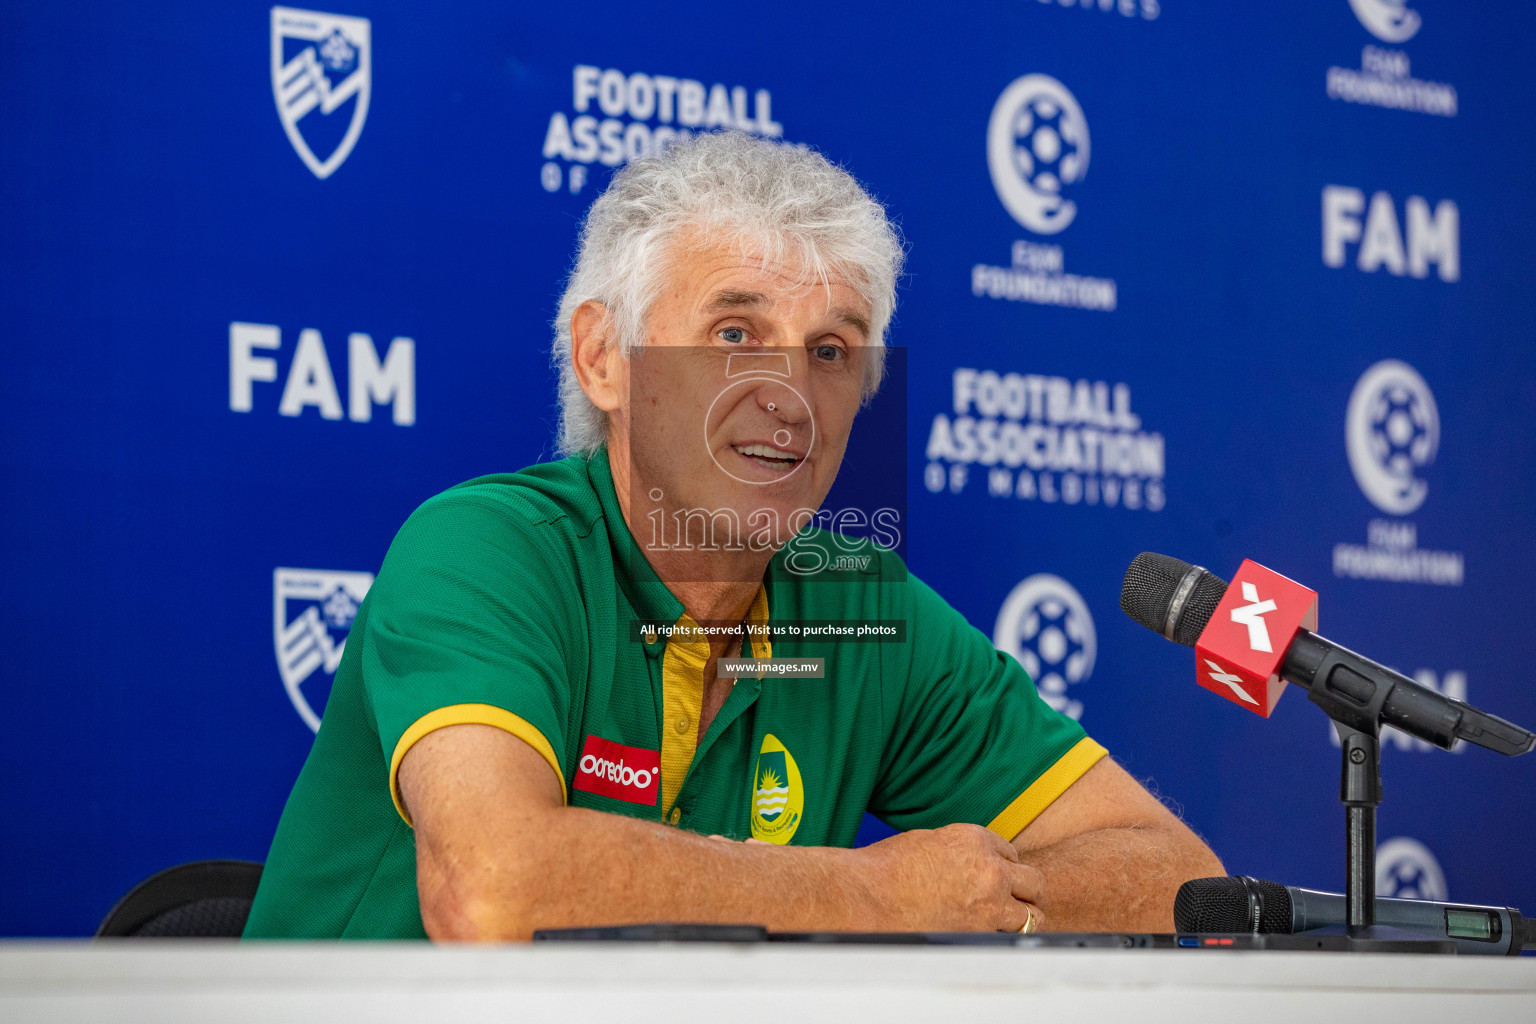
x=783 y=399
x=787 y=417
x=782 y=378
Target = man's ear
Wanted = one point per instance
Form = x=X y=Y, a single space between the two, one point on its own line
x=595 y=356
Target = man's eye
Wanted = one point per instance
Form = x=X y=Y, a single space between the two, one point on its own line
x=829 y=353
x=734 y=335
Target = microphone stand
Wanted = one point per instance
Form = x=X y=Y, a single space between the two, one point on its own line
x=1354 y=692
x=1359 y=729
x=1360 y=790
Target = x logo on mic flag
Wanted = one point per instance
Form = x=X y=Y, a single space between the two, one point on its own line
x=1240 y=650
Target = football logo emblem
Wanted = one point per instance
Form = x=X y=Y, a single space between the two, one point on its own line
x=1391 y=431
x=1391 y=21
x=1037 y=148
x=1045 y=624
x=1406 y=870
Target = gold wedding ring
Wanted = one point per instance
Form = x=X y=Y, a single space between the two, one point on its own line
x=1032 y=922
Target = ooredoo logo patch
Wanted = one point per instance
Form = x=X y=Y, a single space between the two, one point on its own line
x=623 y=773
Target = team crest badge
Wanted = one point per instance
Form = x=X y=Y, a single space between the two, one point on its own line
x=312 y=613
x=778 y=798
x=321 y=67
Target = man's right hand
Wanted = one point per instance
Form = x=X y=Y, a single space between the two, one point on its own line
x=955 y=878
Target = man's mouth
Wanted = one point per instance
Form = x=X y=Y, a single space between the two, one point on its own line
x=768 y=457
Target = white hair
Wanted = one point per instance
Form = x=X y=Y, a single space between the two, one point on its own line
x=786 y=203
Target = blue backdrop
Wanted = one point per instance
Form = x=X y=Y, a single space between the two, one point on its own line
x=1218 y=280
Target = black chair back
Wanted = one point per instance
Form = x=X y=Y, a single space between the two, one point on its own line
x=206 y=899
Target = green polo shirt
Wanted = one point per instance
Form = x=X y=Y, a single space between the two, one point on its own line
x=511 y=601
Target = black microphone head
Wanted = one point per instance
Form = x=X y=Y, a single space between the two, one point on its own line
x=1170 y=596
x=1228 y=905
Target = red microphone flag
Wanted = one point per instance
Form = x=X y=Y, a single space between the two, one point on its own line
x=1238 y=654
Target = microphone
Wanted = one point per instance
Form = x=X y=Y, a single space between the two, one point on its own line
x=1240 y=904
x=1255 y=635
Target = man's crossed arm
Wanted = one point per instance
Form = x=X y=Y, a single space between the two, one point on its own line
x=498 y=855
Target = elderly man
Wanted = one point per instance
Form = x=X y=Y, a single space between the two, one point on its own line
x=511 y=744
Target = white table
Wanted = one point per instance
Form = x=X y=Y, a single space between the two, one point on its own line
x=167 y=981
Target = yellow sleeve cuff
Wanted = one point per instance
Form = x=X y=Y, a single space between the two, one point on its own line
x=1041 y=793
x=468 y=714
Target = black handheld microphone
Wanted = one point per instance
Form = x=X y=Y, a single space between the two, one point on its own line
x=1176 y=599
x=1240 y=904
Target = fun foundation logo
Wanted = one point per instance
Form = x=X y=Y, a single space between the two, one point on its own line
x=1391 y=435
x=1037 y=151
x=1384 y=77
x=1037 y=148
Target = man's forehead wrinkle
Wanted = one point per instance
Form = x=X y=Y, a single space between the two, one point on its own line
x=737 y=271
x=733 y=298
x=755 y=248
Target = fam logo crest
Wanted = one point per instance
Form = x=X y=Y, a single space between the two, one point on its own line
x=1392 y=430
x=1406 y=870
x=312 y=613
x=321 y=62
x=1046 y=626
x=1037 y=147
x=1391 y=21
x=778 y=796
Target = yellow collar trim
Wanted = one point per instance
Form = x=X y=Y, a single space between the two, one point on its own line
x=682 y=695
